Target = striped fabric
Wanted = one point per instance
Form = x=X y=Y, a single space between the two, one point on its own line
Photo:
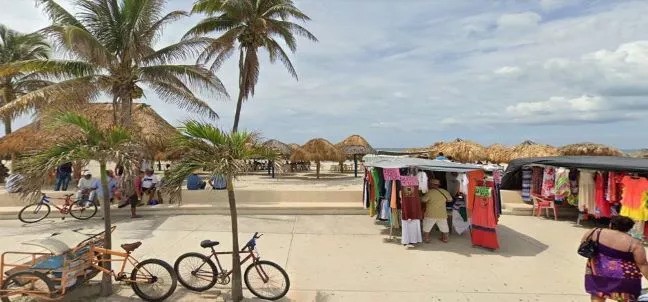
x=526 y=185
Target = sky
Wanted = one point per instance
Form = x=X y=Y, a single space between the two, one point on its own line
x=411 y=72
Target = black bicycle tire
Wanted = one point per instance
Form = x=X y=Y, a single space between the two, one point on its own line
x=254 y=292
x=176 y=269
x=39 y=275
x=34 y=204
x=142 y=295
x=93 y=214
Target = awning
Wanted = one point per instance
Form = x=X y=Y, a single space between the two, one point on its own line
x=512 y=179
x=381 y=161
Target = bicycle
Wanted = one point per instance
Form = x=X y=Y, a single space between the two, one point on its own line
x=198 y=272
x=52 y=283
x=80 y=209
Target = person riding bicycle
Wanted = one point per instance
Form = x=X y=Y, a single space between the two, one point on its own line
x=89 y=187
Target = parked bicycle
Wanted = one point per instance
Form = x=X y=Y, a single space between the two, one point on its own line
x=81 y=209
x=265 y=279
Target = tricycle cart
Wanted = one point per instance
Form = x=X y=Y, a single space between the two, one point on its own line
x=49 y=276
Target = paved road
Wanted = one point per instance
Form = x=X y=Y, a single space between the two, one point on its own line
x=347 y=258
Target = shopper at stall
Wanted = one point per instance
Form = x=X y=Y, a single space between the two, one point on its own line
x=615 y=271
x=435 y=201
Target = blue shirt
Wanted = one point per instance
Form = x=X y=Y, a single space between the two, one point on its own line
x=441 y=158
x=193 y=182
x=218 y=182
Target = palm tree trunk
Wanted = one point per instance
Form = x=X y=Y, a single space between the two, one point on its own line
x=7 y=96
x=106 y=280
x=7 y=124
x=239 y=102
x=317 y=168
x=237 y=285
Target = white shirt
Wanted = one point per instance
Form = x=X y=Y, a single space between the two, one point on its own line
x=423 y=181
x=150 y=181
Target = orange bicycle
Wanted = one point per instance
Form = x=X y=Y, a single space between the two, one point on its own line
x=80 y=209
x=265 y=279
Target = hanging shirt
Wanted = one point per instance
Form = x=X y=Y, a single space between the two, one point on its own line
x=602 y=206
x=411 y=203
x=391 y=174
x=561 y=187
x=409 y=181
x=633 y=189
x=422 y=181
x=548 y=182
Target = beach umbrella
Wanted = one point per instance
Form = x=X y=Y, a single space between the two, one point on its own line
x=317 y=150
x=279 y=147
x=498 y=153
x=355 y=145
x=460 y=150
x=532 y=149
x=590 y=149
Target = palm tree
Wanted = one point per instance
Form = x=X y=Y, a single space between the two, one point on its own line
x=111 y=46
x=206 y=147
x=115 y=144
x=248 y=25
x=18 y=47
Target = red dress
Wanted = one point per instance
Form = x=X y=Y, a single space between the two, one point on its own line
x=411 y=203
x=602 y=205
x=484 y=223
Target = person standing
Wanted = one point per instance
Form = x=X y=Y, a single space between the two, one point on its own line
x=435 y=211
x=615 y=271
x=63 y=176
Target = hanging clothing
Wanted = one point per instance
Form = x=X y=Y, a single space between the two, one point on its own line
x=385 y=210
x=602 y=205
x=393 y=199
x=423 y=181
x=391 y=174
x=411 y=231
x=615 y=186
x=548 y=182
x=536 y=180
x=561 y=187
x=463 y=182
x=474 y=178
x=409 y=181
x=459 y=215
x=613 y=274
x=395 y=219
x=586 y=191
x=484 y=222
x=526 y=184
x=365 y=191
x=411 y=203
x=453 y=183
x=634 y=198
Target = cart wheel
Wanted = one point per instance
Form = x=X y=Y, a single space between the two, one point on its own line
x=32 y=284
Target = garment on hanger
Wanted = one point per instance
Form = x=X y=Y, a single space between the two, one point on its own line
x=548 y=182
x=454 y=185
x=536 y=181
x=586 y=191
x=475 y=177
x=411 y=231
x=411 y=203
x=391 y=174
x=484 y=222
x=422 y=181
x=526 y=184
x=561 y=188
x=602 y=205
x=409 y=181
x=463 y=180
x=633 y=201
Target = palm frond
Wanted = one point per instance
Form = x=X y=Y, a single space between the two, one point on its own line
x=178 y=51
x=276 y=52
x=57 y=14
x=186 y=100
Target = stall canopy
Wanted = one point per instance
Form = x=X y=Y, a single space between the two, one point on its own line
x=381 y=161
x=512 y=179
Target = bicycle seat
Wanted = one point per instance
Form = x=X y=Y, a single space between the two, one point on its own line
x=208 y=243
x=129 y=247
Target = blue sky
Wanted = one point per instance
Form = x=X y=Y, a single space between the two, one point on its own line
x=409 y=73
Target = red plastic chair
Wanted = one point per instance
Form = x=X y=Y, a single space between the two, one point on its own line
x=540 y=203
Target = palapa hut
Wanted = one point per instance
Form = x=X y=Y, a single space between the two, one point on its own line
x=279 y=147
x=317 y=150
x=460 y=150
x=154 y=131
x=531 y=149
x=643 y=153
x=294 y=147
x=498 y=153
x=590 y=149
x=353 y=146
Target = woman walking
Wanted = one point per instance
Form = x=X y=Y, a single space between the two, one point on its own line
x=615 y=271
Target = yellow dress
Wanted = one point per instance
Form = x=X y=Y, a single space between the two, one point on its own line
x=639 y=214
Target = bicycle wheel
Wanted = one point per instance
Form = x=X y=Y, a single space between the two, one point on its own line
x=31 y=284
x=83 y=209
x=266 y=280
x=34 y=212
x=153 y=280
x=196 y=271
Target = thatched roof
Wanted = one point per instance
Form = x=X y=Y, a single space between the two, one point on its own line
x=590 y=149
x=460 y=150
x=643 y=153
x=278 y=146
x=317 y=149
x=531 y=149
x=498 y=153
x=151 y=128
x=294 y=146
x=355 y=144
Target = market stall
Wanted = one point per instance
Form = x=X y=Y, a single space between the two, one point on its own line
x=600 y=186
x=393 y=187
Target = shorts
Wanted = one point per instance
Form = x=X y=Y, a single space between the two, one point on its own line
x=133 y=201
x=428 y=224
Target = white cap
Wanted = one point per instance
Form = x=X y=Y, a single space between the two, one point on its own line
x=87 y=172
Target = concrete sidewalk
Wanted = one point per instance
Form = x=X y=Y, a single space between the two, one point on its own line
x=348 y=258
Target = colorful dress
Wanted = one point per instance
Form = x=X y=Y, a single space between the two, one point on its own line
x=526 y=185
x=484 y=222
x=634 y=205
x=613 y=274
x=586 y=192
x=548 y=182
x=603 y=208
x=562 y=189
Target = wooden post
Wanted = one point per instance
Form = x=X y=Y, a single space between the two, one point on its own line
x=273 y=168
x=355 y=164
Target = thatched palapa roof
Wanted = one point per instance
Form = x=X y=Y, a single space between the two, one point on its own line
x=151 y=128
x=590 y=149
x=460 y=150
x=294 y=146
x=355 y=144
x=498 y=153
x=278 y=146
x=318 y=150
x=531 y=149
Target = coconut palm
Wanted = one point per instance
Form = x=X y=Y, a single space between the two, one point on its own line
x=18 y=47
x=248 y=25
x=111 y=46
x=207 y=147
x=115 y=144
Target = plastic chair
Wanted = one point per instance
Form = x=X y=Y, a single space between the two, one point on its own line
x=540 y=203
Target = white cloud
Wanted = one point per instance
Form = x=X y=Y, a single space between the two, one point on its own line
x=508 y=71
x=550 y=5
x=558 y=106
x=519 y=21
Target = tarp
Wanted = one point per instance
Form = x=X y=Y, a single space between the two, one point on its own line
x=381 y=161
x=512 y=179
